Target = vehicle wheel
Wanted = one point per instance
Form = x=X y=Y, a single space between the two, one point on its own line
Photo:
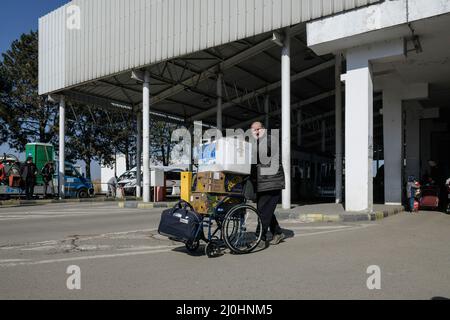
x=192 y=246
x=82 y=194
x=241 y=229
x=213 y=250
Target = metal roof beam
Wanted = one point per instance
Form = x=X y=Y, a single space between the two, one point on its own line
x=105 y=102
x=293 y=107
x=224 y=65
x=124 y=87
x=265 y=89
x=197 y=72
x=114 y=104
x=227 y=64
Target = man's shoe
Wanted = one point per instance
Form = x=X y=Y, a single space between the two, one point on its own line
x=277 y=238
x=263 y=244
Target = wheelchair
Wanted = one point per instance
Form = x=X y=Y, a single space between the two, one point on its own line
x=233 y=224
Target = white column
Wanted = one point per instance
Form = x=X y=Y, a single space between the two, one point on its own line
x=412 y=139
x=146 y=136
x=139 y=155
x=393 y=146
x=359 y=120
x=359 y=133
x=286 y=118
x=299 y=127
x=62 y=137
x=338 y=126
x=219 y=101
x=266 y=112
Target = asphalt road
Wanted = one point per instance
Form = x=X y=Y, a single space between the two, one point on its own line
x=121 y=256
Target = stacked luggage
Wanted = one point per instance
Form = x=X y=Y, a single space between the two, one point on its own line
x=217 y=187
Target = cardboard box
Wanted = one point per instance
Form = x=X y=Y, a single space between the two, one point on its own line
x=205 y=203
x=219 y=182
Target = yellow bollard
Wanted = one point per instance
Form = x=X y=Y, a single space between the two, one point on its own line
x=186 y=186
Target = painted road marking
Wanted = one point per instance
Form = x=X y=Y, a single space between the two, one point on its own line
x=103 y=256
x=334 y=231
x=53 y=243
x=154 y=249
x=61 y=214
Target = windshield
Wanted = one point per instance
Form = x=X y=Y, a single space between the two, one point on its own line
x=171 y=175
x=129 y=175
x=72 y=172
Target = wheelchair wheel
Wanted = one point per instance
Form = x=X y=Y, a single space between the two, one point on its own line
x=241 y=229
x=213 y=250
x=192 y=246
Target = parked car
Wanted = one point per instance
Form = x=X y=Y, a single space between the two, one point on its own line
x=128 y=180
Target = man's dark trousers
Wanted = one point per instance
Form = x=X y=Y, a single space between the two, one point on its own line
x=267 y=203
x=29 y=189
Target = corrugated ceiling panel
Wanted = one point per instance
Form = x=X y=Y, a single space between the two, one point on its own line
x=117 y=35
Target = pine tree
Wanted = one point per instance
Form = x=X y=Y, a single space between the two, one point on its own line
x=26 y=116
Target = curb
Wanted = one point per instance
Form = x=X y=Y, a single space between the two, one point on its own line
x=30 y=203
x=346 y=217
x=140 y=205
x=288 y=215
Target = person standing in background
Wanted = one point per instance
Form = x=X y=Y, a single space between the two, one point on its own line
x=48 y=172
x=28 y=174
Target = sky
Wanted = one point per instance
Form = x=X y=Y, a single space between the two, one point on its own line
x=21 y=16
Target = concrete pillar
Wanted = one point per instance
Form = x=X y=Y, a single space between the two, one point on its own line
x=359 y=132
x=359 y=119
x=219 y=101
x=338 y=127
x=393 y=145
x=299 y=127
x=139 y=155
x=146 y=136
x=286 y=118
x=412 y=139
x=266 y=112
x=395 y=95
x=62 y=137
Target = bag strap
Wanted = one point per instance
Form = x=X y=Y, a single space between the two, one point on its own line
x=183 y=205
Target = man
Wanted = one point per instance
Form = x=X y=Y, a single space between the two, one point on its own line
x=268 y=185
x=48 y=172
x=112 y=187
x=412 y=187
x=2 y=173
x=28 y=174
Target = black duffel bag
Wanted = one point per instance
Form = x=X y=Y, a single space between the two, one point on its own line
x=180 y=223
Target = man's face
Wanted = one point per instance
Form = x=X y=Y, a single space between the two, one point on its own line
x=257 y=130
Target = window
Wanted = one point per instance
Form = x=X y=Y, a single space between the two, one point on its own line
x=173 y=175
x=71 y=172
